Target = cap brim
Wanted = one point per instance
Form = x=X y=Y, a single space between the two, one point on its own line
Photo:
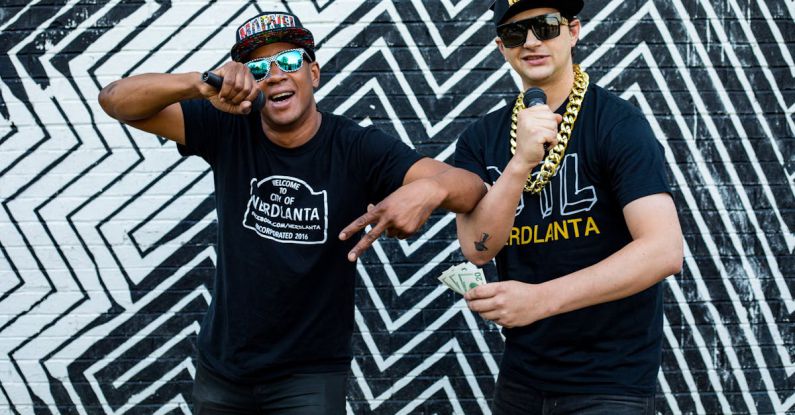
x=295 y=35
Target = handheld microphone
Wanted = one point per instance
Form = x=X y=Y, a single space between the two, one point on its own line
x=216 y=82
x=534 y=96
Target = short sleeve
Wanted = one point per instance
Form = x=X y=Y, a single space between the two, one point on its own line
x=202 y=129
x=469 y=151
x=635 y=161
x=383 y=161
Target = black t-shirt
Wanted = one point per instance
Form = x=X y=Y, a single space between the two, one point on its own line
x=612 y=159
x=283 y=292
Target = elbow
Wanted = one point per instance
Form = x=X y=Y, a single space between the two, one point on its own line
x=673 y=266
x=676 y=264
x=107 y=100
x=478 y=258
x=674 y=259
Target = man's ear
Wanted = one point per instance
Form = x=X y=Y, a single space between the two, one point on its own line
x=574 y=29
x=314 y=70
x=500 y=46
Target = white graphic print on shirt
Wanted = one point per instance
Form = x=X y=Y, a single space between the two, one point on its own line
x=287 y=209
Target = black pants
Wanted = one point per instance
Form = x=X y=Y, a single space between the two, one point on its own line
x=299 y=394
x=514 y=398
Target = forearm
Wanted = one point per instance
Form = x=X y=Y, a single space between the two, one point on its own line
x=634 y=268
x=139 y=97
x=460 y=188
x=485 y=230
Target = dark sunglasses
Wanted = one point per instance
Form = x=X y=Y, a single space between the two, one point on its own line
x=544 y=27
x=289 y=60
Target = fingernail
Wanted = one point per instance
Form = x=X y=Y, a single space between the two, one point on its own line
x=351 y=257
x=342 y=235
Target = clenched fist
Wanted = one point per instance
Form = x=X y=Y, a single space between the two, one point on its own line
x=238 y=91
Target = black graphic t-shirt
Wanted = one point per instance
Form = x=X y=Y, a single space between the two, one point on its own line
x=283 y=292
x=612 y=159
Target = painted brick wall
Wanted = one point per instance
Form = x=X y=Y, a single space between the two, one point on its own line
x=107 y=234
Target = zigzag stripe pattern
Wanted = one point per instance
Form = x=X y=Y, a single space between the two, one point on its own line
x=107 y=234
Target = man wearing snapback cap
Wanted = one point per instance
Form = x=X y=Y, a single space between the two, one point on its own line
x=288 y=179
x=582 y=238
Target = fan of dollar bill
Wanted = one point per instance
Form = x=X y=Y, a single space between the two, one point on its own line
x=463 y=277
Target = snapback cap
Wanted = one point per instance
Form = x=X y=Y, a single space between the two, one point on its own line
x=271 y=27
x=505 y=9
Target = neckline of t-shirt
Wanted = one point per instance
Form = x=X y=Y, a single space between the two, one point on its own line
x=562 y=108
x=313 y=142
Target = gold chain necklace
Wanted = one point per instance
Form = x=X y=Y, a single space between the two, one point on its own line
x=551 y=162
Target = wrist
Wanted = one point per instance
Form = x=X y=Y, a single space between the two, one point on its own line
x=519 y=167
x=550 y=303
x=194 y=86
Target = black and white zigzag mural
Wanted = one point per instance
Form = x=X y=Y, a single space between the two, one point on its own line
x=107 y=234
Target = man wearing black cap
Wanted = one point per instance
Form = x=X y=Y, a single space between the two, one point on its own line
x=288 y=178
x=581 y=238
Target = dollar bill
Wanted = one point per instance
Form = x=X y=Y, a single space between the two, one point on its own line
x=463 y=277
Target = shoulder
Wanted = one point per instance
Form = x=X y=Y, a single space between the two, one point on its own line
x=342 y=127
x=610 y=108
x=347 y=131
x=614 y=115
x=496 y=117
x=338 y=121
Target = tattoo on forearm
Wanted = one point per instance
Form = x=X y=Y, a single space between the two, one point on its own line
x=481 y=244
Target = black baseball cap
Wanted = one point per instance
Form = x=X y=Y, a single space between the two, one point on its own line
x=271 y=27
x=505 y=9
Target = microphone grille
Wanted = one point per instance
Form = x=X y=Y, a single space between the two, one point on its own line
x=534 y=96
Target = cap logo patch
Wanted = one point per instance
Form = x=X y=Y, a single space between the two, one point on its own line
x=266 y=22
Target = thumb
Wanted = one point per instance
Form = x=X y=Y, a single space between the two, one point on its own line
x=472 y=294
x=487 y=290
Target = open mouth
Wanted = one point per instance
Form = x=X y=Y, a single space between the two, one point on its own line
x=282 y=96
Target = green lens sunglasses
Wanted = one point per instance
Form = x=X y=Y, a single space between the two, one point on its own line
x=289 y=60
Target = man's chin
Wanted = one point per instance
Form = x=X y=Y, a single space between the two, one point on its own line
x=282 y=119
x=539 y=74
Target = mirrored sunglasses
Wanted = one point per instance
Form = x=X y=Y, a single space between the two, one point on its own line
x=544 y=27
x=289 y=60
